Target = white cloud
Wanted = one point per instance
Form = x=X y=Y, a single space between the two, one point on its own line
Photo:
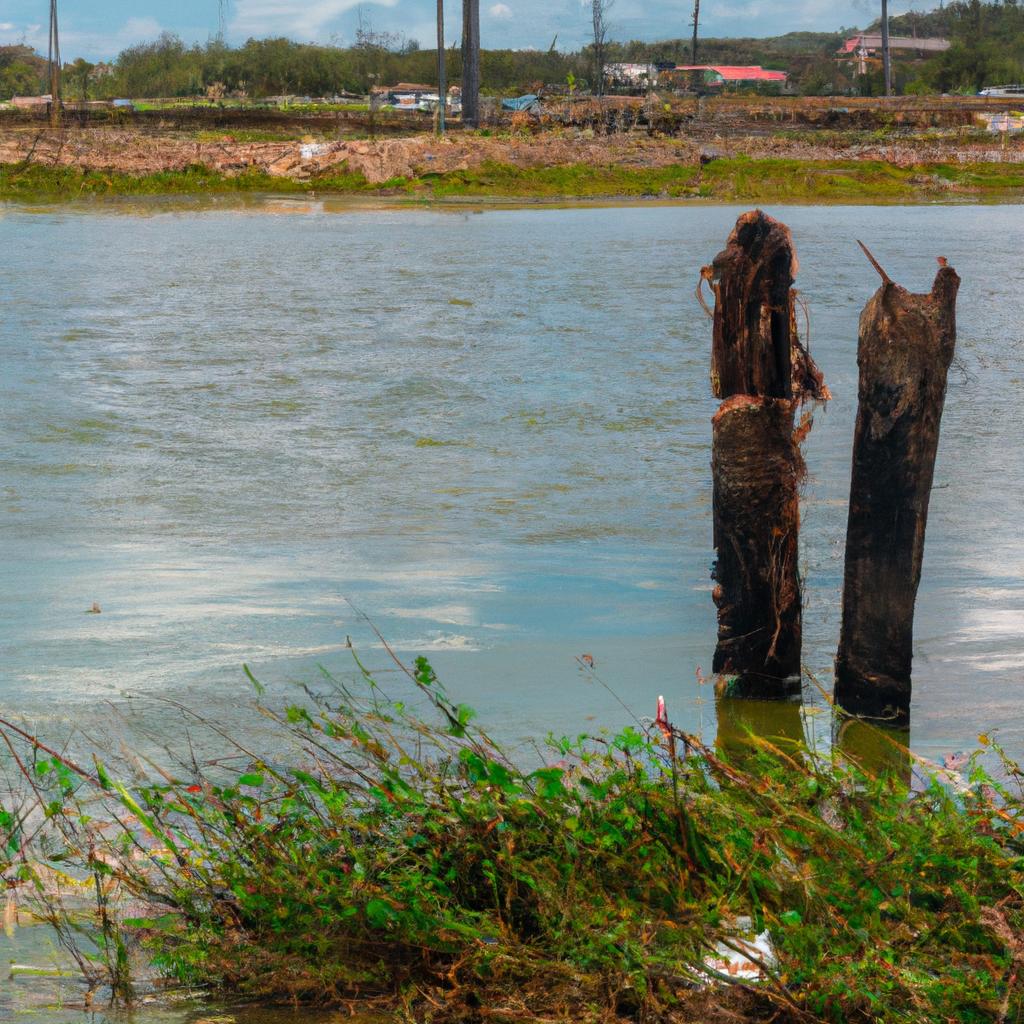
x=92 y=43
x=502 y=11
x=89 y=43
x=32 y=35
x=286 y=17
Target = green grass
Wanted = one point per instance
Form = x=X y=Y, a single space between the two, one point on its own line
x=391 y=854
x=36 y=182
x=732 y=180
x=571 y=180
x=248 y=135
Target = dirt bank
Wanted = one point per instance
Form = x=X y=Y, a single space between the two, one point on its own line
x=383 y=160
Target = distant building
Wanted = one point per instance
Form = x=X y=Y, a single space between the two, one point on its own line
x=1011 y=124
x=1003 y=91
x=30 y=102
x=867 y=47
x=407 y=95
x=631 y=76
x=720 y=75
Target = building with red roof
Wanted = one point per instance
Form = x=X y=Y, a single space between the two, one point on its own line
x=722 y=74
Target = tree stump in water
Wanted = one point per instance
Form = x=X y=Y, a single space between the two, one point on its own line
x=756 y=468
x=763 y=374
x=904 y=350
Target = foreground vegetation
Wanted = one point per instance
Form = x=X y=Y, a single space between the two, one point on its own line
x=392 y=854
x=724 y=180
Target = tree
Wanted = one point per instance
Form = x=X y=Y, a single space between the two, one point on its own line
x=80 y=72
x=21 y=71
x=598 y=15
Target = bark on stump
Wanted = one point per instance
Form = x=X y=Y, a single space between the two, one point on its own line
x=756 y=467
x=763 y=374
x=904 y=350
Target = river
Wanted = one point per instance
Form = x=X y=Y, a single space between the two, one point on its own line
x=237 y=425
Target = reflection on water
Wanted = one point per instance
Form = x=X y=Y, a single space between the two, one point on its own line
x=743 y=722
x=489 y=431
x=788 y=728
x=879 y=751
x=45 y=987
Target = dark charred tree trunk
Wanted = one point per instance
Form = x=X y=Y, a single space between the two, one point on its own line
x=756 y=468
x=905 y=347
x=763 y=374
x=471 y=63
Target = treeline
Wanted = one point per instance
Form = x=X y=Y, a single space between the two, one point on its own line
x=168 y=67
x=268 y=67
x=987 y=49
x=987 y=46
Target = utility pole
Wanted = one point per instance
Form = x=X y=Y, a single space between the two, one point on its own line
x=471 y=63
x=54 y=68
x=442 y=83
x=696 y=19
x=886 y=59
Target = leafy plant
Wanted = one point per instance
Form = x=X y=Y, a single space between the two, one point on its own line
x=400 y=856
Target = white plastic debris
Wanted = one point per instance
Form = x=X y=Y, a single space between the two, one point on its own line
x=746 y=961
x=308 y=150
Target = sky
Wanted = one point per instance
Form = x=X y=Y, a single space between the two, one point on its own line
x=100 y=29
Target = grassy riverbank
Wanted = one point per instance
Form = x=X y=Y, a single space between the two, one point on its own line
x=401 y=860
x=723 y=180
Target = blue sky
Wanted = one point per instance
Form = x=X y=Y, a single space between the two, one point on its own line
x=101 y=28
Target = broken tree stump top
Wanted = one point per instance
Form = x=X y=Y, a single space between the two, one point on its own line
x=755 y=347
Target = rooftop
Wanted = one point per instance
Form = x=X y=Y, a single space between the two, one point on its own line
x=737 y=73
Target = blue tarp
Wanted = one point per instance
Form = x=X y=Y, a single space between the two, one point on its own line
x=527 y=102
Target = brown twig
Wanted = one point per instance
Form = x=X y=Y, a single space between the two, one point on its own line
x=871 y=259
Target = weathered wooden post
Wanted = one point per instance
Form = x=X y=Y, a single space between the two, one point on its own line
x=762 y=373
x=471 y=63
x=904 y=350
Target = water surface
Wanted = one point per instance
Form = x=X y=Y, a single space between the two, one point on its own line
x=489 y=431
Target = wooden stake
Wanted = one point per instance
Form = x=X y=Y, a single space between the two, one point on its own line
x=905 y=347
x=762 y=373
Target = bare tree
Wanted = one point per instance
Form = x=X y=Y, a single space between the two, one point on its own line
x=598 y=12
